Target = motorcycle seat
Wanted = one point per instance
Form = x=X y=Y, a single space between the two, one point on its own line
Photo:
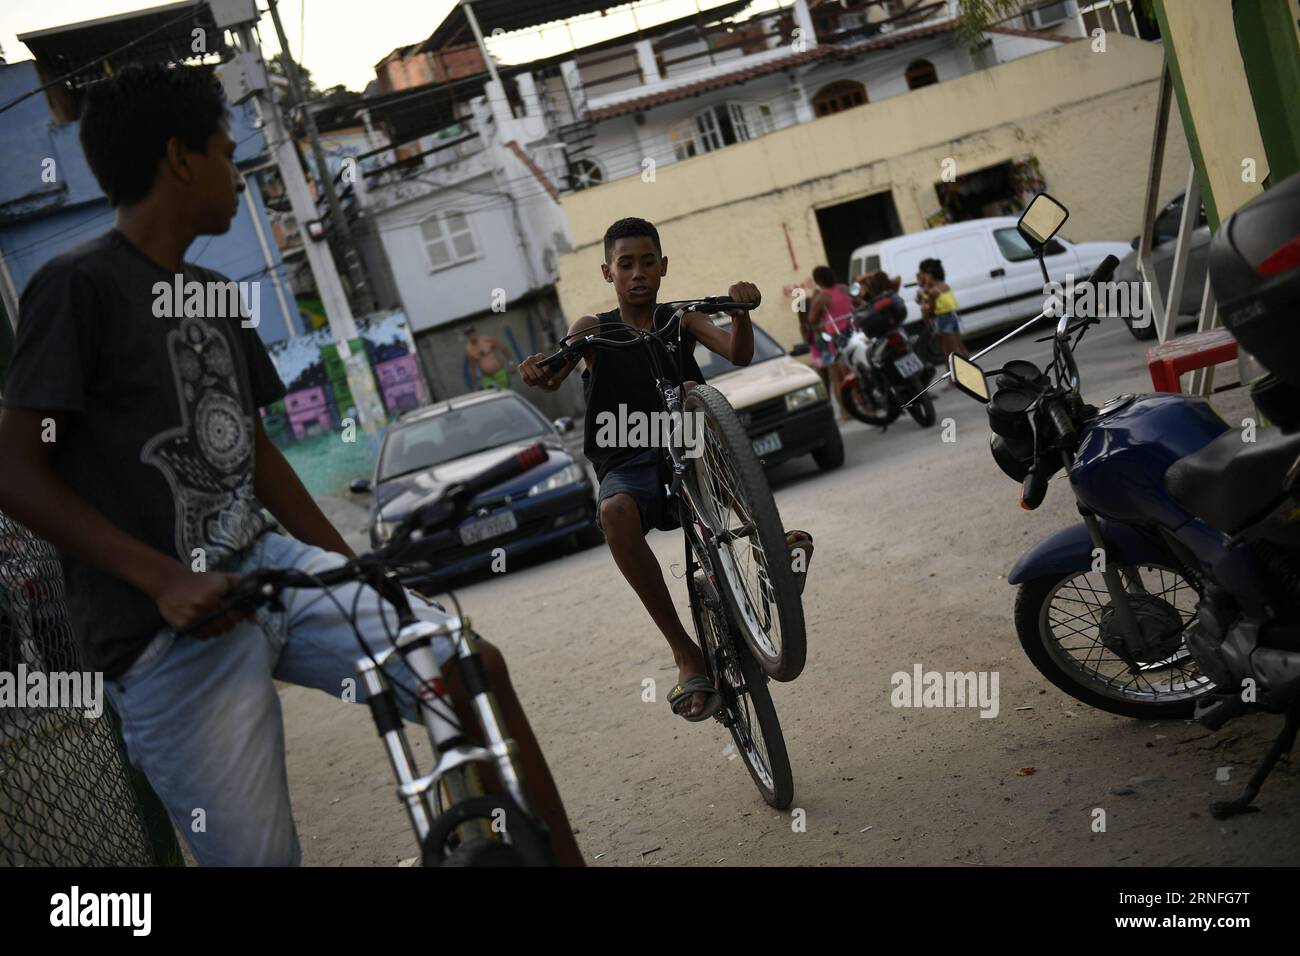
x=1231 y=483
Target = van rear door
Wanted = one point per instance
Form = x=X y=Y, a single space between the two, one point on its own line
x=972 y=272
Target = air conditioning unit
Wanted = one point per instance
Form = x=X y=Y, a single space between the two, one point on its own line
x=1049 y=14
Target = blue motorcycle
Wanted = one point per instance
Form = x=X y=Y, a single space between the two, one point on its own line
x=1177 y=594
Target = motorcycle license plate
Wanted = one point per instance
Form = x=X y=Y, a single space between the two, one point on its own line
x=908 y=365
x=767 y=444
x=478 y=531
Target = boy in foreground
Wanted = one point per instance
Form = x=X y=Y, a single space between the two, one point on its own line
x=133 y=444
x=631 y=497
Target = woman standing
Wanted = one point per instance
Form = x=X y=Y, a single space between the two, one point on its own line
x=831 y=310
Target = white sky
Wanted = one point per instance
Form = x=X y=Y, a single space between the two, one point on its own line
x=344 y=39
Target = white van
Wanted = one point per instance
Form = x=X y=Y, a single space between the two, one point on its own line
x=986 y=263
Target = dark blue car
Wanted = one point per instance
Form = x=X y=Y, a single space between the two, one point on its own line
x=427 y=449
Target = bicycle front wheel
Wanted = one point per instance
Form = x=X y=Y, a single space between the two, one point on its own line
x=745 y=537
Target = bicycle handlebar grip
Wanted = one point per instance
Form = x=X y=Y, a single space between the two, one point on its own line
x=559 y=358
x=512 y=467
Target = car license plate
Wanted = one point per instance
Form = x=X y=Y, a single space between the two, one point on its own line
x=908 y=365
x=488 y=528
x=767 y=444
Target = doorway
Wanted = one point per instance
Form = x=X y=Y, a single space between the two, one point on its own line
x=847 y=225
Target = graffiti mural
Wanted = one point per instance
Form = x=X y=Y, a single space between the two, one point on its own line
x=319 y=397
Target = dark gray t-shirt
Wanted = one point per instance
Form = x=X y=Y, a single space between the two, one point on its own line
x=160 y=434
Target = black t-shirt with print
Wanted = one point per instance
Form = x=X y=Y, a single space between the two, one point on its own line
x=159 y=434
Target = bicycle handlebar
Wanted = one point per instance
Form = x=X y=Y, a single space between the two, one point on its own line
x=264 y=587
x=591 y=338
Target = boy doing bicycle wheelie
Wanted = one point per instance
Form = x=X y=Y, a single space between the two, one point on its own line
x=132 y=442
x=631 y=497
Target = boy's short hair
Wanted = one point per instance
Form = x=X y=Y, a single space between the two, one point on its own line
x=129 y=117
x=629 y=228
x=931 y=267
x=824 y=276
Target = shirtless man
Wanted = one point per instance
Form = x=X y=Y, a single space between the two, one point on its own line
x=484 y=365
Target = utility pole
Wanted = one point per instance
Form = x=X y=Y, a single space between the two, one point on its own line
x=250 y=68
x=356 y=271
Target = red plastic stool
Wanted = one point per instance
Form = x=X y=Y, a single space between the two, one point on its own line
x=1185 y=354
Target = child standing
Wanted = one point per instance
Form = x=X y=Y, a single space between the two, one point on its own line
x=939 y=305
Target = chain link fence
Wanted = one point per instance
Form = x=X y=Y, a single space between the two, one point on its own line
x=68 y=795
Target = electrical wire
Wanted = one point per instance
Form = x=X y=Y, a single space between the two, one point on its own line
x=190 y=12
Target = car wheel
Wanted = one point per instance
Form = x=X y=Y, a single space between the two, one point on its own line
x=831 y=454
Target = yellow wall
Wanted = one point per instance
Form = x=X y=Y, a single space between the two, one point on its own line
x=1218 y=99
x=1087 y=116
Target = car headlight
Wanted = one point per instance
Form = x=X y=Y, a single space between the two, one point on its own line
x=384 y=530
x=565 y=476
x=805 y=396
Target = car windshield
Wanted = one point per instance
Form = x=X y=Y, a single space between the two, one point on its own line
x=457 y=433
x=713 y=365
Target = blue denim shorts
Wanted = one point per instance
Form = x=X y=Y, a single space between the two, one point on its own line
x=202 y=718
x=947 y=323
x=640 y=478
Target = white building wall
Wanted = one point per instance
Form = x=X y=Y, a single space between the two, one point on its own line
x=434 y=297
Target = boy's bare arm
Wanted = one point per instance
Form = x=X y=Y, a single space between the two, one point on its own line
x=736 y=346
x=551 y=379
x=33 y=493
x=278 y=487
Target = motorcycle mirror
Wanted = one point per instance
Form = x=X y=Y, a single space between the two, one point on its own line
x=968 y=377
x=1041 y=220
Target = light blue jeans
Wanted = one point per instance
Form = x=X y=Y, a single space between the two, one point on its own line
x=202 y=718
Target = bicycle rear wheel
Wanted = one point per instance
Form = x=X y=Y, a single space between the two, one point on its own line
x=747 y=710
x=746 y=538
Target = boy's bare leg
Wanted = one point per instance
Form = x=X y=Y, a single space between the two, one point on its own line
x=538 y=775
x=621 y=520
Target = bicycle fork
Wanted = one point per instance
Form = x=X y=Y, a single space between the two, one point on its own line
x=455 y=755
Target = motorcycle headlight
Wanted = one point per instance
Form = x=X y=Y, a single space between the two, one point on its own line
x=569 y=475
x=805 y=396
x=384 y=530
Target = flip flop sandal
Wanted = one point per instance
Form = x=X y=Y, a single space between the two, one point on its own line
x=803 y=544
x=682 y=693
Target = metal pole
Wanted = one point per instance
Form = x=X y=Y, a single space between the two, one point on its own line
x=270 y=263
x=1155 y=303
x=360 y=287
x=482 y=47
x=1182 y=247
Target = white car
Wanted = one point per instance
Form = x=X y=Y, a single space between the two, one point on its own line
x=781 y=402
x=986 y=263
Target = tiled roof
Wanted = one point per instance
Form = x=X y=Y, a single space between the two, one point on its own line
x=718 y=81
x=1031 y=35
x=635 y=104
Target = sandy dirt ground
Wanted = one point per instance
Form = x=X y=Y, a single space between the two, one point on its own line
x=914 y=539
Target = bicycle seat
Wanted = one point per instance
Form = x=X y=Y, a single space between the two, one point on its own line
x=1231 y=483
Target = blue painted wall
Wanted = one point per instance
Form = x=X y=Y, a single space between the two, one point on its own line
x=38 y=220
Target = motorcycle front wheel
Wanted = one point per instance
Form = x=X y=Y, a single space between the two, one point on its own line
x=921 y=410
x=854 y=399
x=1065 y=625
